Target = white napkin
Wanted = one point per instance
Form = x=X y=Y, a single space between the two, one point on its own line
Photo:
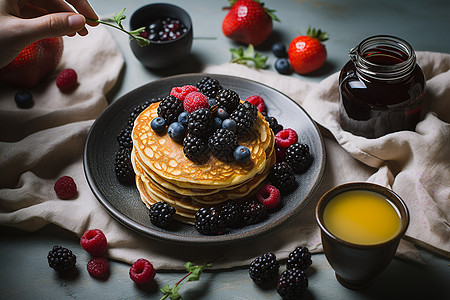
x=40 y=144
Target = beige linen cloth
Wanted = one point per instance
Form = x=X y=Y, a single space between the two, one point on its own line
x=40 y=144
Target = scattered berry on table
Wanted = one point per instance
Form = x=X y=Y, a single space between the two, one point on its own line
x=269 y=196
x=65 y=187
x=222 y=143
x=200 y=122
x=298 y=157
x=264 y=268
x=181 y=92
x=164 y=29
x=286 y=137
x=283 y=66
x=257 y=101
x=169 y=108
x=273 y=124
x=254 y=212
x=245 y=117
x=123 y=167
x=183 y=118
x=242 y=154
x=299 y=258
x=209 y=221
x=229 y=124
x=209 y=86
x=176 y=131
x=98 y=267
x=279 y=50
x=158 y=125
x=161 y=214
x=61 y=259
x=227 y=99
x=195 y=148
x=94 y=242
x=194 y=101
x=282 y=176
x=124 y=138
x=142 y=271
x=67 y=79
x=231 y=212
x=292 y=284
x=24 y=99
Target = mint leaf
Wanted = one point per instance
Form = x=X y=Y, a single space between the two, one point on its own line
x=242 y=56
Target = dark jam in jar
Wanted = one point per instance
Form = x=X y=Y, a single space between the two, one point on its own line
x=381 y=88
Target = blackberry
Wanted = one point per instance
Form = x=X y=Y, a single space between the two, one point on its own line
x=222 y=143
x=209 y=221
x=264 y=268
x=298 y=157
x=124 y=138
x=61 y=259
x=300 y=258
x=254 y=212
x=227 y=99
x=161 y=214
x=209 y=86
x=292 y=284
x=273 y=124
x=135 y=113
x=282 y=177
x=169 y=108
x=122 y=166
x=245 y=116
x=195 y=148
x=200 y=122
x=232 y=214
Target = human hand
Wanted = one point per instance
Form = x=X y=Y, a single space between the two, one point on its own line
x=26 y=21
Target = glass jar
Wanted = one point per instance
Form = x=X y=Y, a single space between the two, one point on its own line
x=381 y=88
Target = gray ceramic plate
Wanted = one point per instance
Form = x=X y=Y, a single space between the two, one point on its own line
x=123 y=202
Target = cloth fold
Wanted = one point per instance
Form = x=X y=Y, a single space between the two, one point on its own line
x=40 y=144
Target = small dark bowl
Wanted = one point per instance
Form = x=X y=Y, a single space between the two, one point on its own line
x=357 y=266
x=162 y=54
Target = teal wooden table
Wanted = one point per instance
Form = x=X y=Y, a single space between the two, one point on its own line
x=24 y=270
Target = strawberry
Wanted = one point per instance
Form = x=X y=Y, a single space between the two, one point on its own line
x=306 y=52
x=248 y=22
x=33 y=63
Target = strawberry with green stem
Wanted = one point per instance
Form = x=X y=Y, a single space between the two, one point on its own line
x=307 y=52
x=134 y=34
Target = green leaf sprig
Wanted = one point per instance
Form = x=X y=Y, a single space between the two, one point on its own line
x=242 y=56
x=134 y=34
x=194 y=272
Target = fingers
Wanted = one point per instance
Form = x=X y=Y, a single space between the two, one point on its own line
x=84 y=8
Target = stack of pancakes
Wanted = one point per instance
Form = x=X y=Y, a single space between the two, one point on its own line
x=164 y=173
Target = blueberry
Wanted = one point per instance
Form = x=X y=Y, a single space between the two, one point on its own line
x=212 y=102
x=283 y=66
x=241 y=154
x=158 y=125
x=176 y=131
x=222 y=113
x=183 y=118
x=279 y=49
x=217 y=123
x=229 y=124
x=23 y=99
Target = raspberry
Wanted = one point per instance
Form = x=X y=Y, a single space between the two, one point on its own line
x=194 y=101
x=94 y=241
x=264 y=268
x=269 y=196
x=258 y=102
x=61 y=259
x=286 y=137
x=98 y=267
x=65 y=187
x=181 y=92
x=142 y=271
x=66 y=79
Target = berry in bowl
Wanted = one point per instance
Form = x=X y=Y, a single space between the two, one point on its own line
x=169 y=30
